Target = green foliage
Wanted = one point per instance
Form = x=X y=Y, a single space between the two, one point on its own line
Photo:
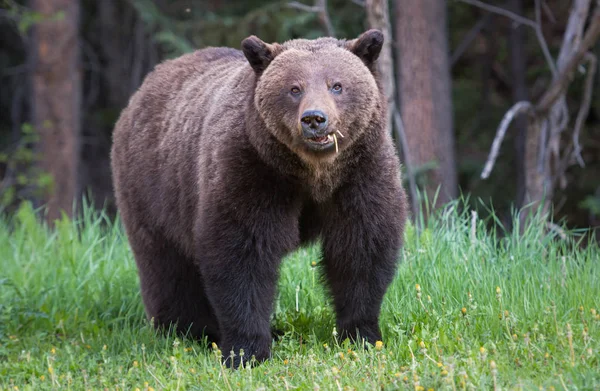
x=71 y=316
x=22 y=173
x=27 y=18
x=169 y=33
x=591 y=203
x=271 y=21
x=420 y=172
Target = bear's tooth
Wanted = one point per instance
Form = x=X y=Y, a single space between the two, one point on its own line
x=329 y=137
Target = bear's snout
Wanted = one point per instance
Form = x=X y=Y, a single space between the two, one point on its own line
x=314 y=123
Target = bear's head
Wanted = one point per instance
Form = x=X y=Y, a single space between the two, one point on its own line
x=317 y=96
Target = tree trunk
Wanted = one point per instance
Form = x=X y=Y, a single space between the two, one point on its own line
x=378 y=17
x=425 y=94
x=543 y=135
x=56 y=99
x=518 y=68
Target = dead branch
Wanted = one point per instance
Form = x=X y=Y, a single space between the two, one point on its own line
x=521 y=20
x=303 y=7
x=501 y=11
x=551 y=95
x=320 y=8
x=548 y=12
x=469 y=38
x=401 y=135
x=540 y=36
x=574 y=30
x=562 y=81
x=559 y=113
x=585 y=106
x=559 y=231
x=518 y=108
x=549 y=116
x=473 y=234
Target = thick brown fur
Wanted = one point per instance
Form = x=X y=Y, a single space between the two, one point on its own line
x=215 y=185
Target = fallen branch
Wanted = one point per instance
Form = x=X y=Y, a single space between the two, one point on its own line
x=518 y=108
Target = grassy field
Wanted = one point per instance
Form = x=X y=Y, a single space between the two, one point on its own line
x=464 y=312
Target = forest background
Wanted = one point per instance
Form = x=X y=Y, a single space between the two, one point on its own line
x=453 y=72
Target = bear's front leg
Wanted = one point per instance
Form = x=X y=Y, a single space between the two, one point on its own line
x=240 y=247
x=362 y=235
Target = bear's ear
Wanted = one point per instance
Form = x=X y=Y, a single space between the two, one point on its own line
x=367 y=46
x=259 y=53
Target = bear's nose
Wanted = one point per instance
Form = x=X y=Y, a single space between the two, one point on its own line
x=314 y=122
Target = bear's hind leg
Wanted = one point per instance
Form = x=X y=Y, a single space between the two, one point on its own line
x=173 y=289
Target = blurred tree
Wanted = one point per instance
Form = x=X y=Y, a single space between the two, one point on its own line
x=546 y=160
x=56 y=99
x=518 y=71
x=120 y=41
x=425 y=93
x=378 y=16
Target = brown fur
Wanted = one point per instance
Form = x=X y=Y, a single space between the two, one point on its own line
x=215 y=184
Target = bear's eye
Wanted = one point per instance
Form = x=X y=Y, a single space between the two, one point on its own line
x=337 y=88
x=295 y=91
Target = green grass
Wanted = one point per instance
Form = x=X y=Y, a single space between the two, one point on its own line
x=71 y=316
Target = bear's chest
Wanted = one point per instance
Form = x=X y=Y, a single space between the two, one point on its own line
x=322 y=181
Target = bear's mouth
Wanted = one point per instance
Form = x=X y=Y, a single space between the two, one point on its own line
x=321 y=139
x=320 y=143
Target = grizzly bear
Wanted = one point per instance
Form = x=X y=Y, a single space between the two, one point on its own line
x=225 y=161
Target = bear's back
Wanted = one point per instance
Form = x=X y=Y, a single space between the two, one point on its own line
x=171 y=127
